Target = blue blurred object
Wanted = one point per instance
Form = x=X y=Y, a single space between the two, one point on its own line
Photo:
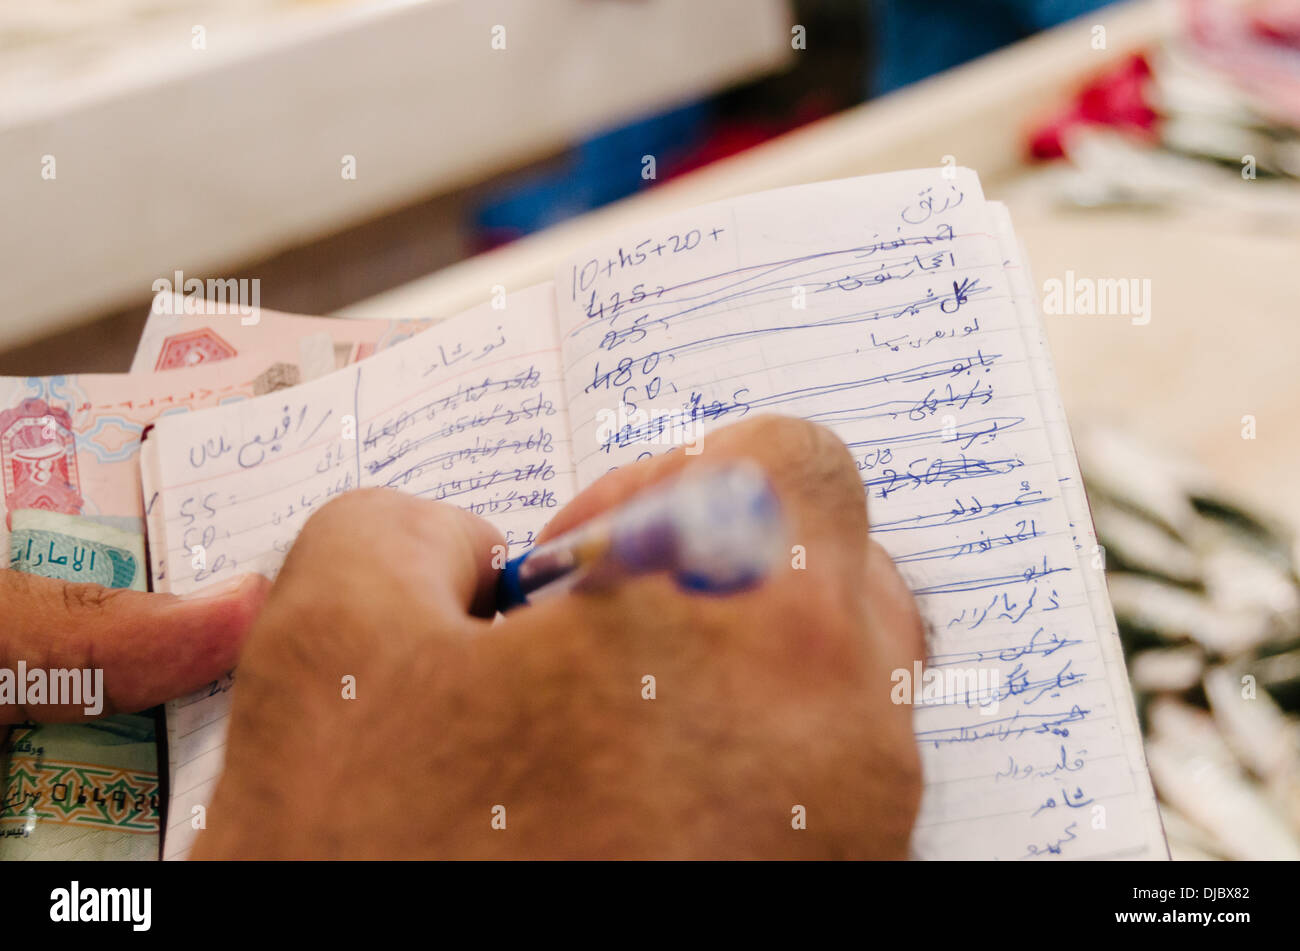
x=910 y=39
x=914 y=39
x=716 y=531
x=600 y=170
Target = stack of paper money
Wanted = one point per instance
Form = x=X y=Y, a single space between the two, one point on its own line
x=74 y=791
x=72 y=509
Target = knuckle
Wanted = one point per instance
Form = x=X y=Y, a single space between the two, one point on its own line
x=346 y=509
x=333 y=530
x=342 y=520
x=388 y=511
x=811 y=468
x=806 y=453
x=85 y=597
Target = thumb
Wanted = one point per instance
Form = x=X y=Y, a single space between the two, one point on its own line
x=150 y=647
x=893 y=619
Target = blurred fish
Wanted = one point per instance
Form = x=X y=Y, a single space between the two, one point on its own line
x=1187 y=842
x=1197 y=773
x=1253 y=725
x=1134 y=543
x=1279 y=674
x=1167 y=670
x=1120 y=468
x=1159 y=611
x=1208 y=603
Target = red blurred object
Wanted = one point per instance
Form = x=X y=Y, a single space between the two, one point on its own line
x=734 y=136
x=1254 y=48
x=1116 y=98
x=1277 y=20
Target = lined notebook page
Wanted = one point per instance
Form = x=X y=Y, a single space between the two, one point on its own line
x=470 y=412
x=882 y=308
x=1015 y=262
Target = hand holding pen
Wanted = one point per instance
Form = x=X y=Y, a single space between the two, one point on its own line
x=634 y=716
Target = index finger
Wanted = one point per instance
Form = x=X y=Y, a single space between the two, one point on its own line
x=144 y=648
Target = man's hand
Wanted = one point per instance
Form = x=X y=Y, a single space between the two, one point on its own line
x=151 y=647
x=766 y=705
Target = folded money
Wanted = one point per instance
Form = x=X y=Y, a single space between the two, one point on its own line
x=75 y=548
x=73 y=510
x=80 y=791
x=72 y=506
x=70 y=443
x=185 y=332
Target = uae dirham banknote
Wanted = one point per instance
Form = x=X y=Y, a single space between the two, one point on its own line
x=71 y=507
x=80 y=791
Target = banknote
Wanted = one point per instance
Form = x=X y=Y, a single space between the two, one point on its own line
x=175 y=336
x=70 y=443
x=75 y=548
x=80 y=791
x=71 y=508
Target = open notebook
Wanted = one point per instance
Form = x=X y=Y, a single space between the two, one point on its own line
x=894 y=309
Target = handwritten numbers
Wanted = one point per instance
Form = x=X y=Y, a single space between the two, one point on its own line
x=349 y=169
x=1248 y=427
x=199 y=817
x=647 y=168
x=949 y=407
x=499 y=817
x=648 y=687
x=1248 y=687
x=798 y=818
x=349 y=687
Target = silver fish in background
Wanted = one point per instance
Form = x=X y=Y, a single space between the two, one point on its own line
x=1200 y=778
x=1207 y=598
x=80 y=791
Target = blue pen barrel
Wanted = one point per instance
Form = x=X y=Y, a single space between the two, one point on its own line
x=715 y=529
x=546 y=565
